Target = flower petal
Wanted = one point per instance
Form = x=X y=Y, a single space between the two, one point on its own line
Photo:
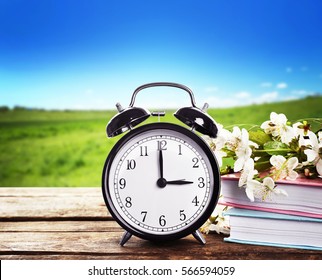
x=277 y=161
x=311 y=155
x=320 y=136
x=292 y=175
x=319 y=167
x=273 y=116
x=236 y=132
x=279 y=191
x=250 y=194
x=287 y=134
x=265 y=125
x=269 y=182
x=238 y=165
x=244 y=136
x=292 y=162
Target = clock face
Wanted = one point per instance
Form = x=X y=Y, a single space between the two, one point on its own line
x=161 y=180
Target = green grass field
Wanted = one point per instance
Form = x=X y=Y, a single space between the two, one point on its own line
x=68 y=148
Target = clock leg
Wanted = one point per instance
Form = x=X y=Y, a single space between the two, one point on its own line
x=198 y=235
x=126 y=236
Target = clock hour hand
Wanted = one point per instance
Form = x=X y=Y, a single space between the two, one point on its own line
x=179 y=182
x=163 y=182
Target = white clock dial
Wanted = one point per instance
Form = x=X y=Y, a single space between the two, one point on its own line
x=160 y=181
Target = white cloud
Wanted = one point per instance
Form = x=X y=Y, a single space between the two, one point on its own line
x=242 y=98
x=242 y=95
x=290 y=98
x=320 y=76
x=299 y=92
x=217 y=102
x=267 y=97
x=289 y=70
x=304 y=68
x=281 y=85
x=266 y=84
x=211 y=89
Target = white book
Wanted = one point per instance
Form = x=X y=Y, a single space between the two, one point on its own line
x=271 y=229
x=304 y=197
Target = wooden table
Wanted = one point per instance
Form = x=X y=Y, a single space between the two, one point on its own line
x=73 y=223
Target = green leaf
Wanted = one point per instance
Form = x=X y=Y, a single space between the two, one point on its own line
x=294 y=145
x=276 y=148
x=263 y=166
x=259 y=137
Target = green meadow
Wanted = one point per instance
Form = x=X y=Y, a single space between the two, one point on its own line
x=68 y=148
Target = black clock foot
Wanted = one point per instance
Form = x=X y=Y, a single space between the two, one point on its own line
x=126 y=236
x=198 y=235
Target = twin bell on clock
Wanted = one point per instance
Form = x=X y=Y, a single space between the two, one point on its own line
x=161 y=181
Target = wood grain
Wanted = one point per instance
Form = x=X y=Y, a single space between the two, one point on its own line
x=73 y=223
x=52 y=203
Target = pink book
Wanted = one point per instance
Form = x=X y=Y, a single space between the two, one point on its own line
x=304 y=197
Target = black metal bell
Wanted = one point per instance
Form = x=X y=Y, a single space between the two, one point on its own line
x=126 y=119
x=198 y=119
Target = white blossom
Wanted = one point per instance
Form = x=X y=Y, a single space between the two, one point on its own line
x=247 y=173
x=218 y=143
x=221 y=226
x=216 y=146
x=264 y=190
x=238 y=147
x=320 y=137
x=240 y=144
x=277 y=126
x=314 y=154
x=284 y=169
x=217 y=222
x=306 y=137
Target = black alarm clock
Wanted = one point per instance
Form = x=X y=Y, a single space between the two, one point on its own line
x=161 y=181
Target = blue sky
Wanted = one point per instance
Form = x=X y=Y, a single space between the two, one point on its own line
x=91 y=54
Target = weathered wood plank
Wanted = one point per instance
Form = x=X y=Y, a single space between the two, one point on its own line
x=72 y=223
x=52 y=203
x=60 y=226
x=99 y=245
x=52 y=207
x=50 y=192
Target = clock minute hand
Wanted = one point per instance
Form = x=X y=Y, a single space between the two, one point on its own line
x=179 y=182
x=161 y=163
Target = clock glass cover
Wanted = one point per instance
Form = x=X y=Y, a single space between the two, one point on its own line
x=161 y=180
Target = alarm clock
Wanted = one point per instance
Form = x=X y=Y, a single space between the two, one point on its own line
x=161 y=181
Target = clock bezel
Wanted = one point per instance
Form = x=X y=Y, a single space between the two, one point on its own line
x=215 y=188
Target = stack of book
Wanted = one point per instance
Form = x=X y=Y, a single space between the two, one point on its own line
x=294 y=221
